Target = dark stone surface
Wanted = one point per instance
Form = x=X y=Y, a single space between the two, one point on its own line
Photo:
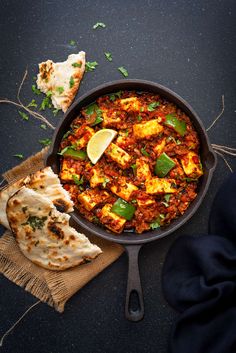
x=186 y=46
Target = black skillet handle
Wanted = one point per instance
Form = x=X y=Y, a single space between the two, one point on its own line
x=134 y=293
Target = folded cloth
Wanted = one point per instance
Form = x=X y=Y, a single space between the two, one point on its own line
x=199 y=281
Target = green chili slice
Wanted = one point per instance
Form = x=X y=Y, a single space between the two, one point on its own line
x=163 y=165
x=70 y=152
x=123 y=209
x=178 y=125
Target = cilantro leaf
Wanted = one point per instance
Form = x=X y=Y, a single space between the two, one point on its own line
x=60 y=89
x=123 y=71
x=36 y=90
x=77 y=180
x=45 y=142
x=144 y=152
x=23 y=115
x=72 y=42
x=43 y=126
x=108 y=56
x=72 y=82
x=76 y=64
x=167 y=197
x=99 y=24
x=155 y=224
x=32 y=104
x=55 y=111
x=90 y=66
x=153 y=106
x=18 y=155
x=104 y=184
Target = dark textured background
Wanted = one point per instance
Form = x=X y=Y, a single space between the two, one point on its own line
x=188 y=46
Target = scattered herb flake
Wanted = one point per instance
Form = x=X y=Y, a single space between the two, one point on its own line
x=167 y=197
x=105 y=182
x=90 y=66
x=139 y=117
x=35 y=222
x=108 y=56
x=134 y=167
x=98 y=120
x=72 y=82
x=32 y=104
x=23 y=115
x=66 y=135
x=55 y=111
x=36 y=90
x=165 y=204
x=18 y=155
x=153 y=106
x=155 y=224
x=72 y=42
x=99 y=24
x=123 y=71
x=60 y=89
x=46 y=102
x=144 y=152
x=43 y=126
x=126 y=132
x=77 y=180
x=76 y=64
x=45 y=142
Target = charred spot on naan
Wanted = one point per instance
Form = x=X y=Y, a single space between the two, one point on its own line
x=61 y=205
x=54 y=230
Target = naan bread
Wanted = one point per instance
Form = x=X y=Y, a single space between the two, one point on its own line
x=62 y=79
x=44 y=234
x=44 y=182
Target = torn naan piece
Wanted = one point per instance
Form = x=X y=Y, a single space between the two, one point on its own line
x=44 y=234
x=62 y=79
x=44 y=182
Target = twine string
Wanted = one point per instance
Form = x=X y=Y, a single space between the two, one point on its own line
x=219 y=115
x=17 y=322
x=36 y=115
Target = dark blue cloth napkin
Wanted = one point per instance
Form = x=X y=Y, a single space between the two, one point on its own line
x=199 y=281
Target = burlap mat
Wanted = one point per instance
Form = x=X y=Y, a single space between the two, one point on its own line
x=51 y=287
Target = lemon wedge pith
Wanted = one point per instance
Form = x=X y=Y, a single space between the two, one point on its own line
x=99 y=143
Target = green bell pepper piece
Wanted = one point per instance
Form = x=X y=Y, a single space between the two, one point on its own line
x=163 y=165
x=178 y=125
x=71 y=152
x=123 y=209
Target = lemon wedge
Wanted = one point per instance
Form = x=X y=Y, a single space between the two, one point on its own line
x=99 y=143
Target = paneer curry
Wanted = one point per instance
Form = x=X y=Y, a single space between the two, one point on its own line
x=146 y=177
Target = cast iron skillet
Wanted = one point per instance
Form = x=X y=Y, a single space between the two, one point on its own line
x=133 y=242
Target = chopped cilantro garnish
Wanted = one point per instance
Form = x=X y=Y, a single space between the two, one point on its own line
x=108 y=56
x=162 y=216
x=155 y=224
x=144 y=152
x=36 y=90
x=32 y=104
x=35 y=222
x=167 y=197
x=60 y=89
x=123 y=71
x=43 y=126
x=72 y=82
x=113 y=96
x=46 y=103
x=66 y=135
x=45 y=142
x=23 y=115
x=55 y=111
x=99 y=24
x=153 y=106
x=90 y=66
x=139 y=117
x=18 y=155
x=126 y=132
x=77 y=180
x=76 y=64
x=72 y=42
x=98 y=120
x=134 y=167
x=104 y=184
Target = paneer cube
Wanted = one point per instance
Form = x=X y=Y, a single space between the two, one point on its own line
x=91 y=198
x=143 y=169
x=159 y=148
x=191 y=165
x=123 y=189
x=145 y=201
x=118 y=155
x=121 y=139
x=82 y=141
x=111 y=220
x=130 y=104
x=110 y=118
x=147 y=129
x=67 y=171
x=97 y=178
x=160 y=186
